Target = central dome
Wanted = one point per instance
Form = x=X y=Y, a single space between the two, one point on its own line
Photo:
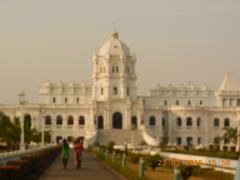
x=115 y=47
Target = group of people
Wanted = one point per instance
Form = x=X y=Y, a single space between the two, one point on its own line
x=65 y=153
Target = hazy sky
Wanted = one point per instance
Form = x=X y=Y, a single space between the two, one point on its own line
x=176 y=41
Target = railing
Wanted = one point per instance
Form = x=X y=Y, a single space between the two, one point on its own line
x=8 y=156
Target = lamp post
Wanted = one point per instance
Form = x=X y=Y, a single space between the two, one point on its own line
x=21 y=101
x=42 y=124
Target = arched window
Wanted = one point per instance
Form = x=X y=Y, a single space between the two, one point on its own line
x=189 y=103
x=100 y=123
x=216 y=122
x=117 y=69
x=189 y=122
x=70 y=120
x=81 y=120
x=77 y=100
x=48 y=120
x=152 y=121
x=198 y=122
x=59 y=120
x=226 y=123
x=179 y=121
x=134 y=122
x=27 y=121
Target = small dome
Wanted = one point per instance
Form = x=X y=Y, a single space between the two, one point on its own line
x=114 y=46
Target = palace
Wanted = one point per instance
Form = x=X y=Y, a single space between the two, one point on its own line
x=111 y=110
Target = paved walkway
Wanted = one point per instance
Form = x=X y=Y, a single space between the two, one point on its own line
x=91 y=169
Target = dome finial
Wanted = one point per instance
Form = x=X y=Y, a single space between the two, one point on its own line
x=114 y=34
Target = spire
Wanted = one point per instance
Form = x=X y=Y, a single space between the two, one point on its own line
x=229 y=83
x=114 y=34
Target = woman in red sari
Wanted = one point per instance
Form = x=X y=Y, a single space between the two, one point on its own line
x=78 y=148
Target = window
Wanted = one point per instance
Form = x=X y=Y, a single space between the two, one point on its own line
x=163 y=122
x=198 y=122
x=117 y=69
x=189 y=103
x=179 y=122
x=77 y=100
x=54 y=100
x=128 y=91
x=224 y=102
x=152 y=121
x=70 y=120
x=189 y=121
x=199 y=140
x=226 y=123
x=226 y=141
x=216 y=122
x=59 y=120
x=66 y=100
x=81 y=120
x=113 y=69
x=231 y=102
x=134 y=122
x=189 y=141
x=165 y=103
x=179 y=140
x=201 y=102
x=238 y=102
x=177 y=102
x=115 y=91
x=102 y=91
x=48 y=120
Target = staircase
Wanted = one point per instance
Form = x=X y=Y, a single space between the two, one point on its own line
x=119 y=136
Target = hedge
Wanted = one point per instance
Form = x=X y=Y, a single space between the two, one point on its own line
x=29 y=167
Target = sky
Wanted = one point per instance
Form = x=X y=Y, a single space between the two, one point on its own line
x=175 y=41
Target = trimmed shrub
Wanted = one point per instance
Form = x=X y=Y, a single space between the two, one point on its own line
x=10 y=172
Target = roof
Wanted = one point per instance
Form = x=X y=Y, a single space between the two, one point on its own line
x=114 y=46
x=229 y=83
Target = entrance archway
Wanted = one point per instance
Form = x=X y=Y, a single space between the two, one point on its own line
x=117 y=120
x=100 y=122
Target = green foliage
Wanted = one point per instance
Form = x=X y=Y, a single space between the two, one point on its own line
x=231 y=134
x=9 y=131
x=186 y=172
x=111 y=144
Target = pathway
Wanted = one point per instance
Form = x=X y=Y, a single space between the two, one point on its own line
x=91 y=169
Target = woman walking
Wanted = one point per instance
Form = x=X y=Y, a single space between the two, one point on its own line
x=65 y=153
x=78 y=148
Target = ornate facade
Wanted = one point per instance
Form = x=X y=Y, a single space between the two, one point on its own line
x=111 y=110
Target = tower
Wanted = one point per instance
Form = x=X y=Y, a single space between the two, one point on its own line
x=114 y=74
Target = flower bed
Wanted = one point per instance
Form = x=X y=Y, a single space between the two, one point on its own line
x=29 y=167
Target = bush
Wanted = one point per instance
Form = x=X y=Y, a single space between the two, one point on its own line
x=186 y=172
x=110 y=146
x=24 y=165
x=10 y=172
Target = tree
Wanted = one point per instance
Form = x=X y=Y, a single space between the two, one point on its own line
x=231 y=134
x=9 y=131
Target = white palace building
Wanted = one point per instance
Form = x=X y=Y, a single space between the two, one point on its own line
x=111 y=110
